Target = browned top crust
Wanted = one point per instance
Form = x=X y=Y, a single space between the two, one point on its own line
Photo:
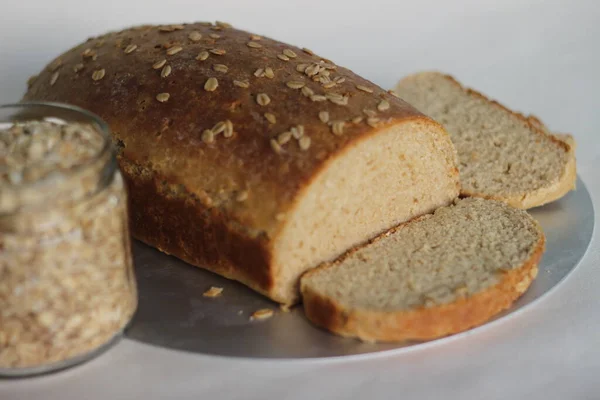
x=173 y=94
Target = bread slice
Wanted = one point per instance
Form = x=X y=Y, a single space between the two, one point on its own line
x=436 y=275
x=503 y=155
x=252 y=158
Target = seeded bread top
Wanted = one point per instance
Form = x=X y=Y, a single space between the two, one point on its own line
x=235 y=118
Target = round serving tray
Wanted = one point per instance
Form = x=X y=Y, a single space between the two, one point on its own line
x=173 y=313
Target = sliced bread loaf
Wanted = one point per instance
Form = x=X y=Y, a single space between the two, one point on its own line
x=249 y=157
x=503 y=155
x=436 y=275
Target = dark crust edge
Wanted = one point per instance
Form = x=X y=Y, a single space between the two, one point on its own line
x=198 y=235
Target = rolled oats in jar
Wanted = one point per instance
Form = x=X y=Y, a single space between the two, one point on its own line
x=67 y=288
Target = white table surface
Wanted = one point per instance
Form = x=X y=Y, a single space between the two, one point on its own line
x=542 y=57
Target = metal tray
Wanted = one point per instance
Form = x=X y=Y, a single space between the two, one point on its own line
x=172 y=312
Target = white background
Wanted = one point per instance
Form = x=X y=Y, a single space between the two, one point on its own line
x=541 y=57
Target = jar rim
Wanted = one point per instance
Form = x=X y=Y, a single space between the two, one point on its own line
x=73 y=111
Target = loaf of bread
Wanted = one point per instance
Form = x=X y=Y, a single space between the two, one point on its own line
x=436 y=275
x=249 y=157
x=503 y=155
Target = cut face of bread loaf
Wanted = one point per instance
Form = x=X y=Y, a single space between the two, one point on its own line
x=436 y=275
x=249 y=157
x=502 y=154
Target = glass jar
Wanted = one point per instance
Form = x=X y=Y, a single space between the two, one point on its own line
x=67 y=288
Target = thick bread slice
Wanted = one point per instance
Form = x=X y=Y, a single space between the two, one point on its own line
x=503 y=155
x=434 y=276
x=305 y=158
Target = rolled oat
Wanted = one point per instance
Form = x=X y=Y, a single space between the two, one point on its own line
x=67 y=282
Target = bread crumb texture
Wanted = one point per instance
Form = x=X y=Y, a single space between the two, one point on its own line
x=454 y=257
x=502 y=154
x=468 y=245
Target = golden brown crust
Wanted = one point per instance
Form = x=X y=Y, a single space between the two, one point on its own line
x=215 y=204
x=543 y=195
x=421 y=323
x=125 y=98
